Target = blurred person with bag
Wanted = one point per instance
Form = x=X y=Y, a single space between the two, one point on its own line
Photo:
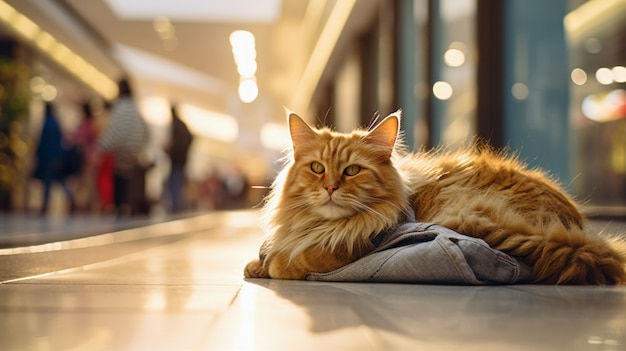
x=126 y=137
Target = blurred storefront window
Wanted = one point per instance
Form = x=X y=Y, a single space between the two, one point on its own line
x=596 y=37
x=545 y=79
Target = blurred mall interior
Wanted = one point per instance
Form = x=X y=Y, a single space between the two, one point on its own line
x=545 y=79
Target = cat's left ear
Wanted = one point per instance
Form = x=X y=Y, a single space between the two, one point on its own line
x=299 y=130
x=386 y=133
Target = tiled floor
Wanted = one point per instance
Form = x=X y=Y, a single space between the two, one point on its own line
x=178 y=286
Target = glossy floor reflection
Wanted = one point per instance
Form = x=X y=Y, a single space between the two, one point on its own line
x=178 y=286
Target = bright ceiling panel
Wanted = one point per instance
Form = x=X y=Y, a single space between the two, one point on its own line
x=255 y=11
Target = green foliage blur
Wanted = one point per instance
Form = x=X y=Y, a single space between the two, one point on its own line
x=14 y=104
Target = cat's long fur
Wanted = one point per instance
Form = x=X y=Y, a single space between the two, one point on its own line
x=474 y=191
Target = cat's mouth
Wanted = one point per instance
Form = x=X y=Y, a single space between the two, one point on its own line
x=332 y=209
x=331 y=205
x=333 y=201
x=330 y=202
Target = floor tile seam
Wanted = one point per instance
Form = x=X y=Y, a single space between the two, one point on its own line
x=221 y=318
x=165 y=315
x=126 y=235
x=98 y=228
x=147 y=285
x=96 y=265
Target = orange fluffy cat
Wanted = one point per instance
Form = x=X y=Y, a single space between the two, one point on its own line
x=338 y=190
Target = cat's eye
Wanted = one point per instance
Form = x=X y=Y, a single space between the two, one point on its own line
x=317 y=167
x=352 y=170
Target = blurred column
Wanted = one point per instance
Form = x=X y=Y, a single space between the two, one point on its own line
x=451 y=74
x=406 y=69
x=489 y=75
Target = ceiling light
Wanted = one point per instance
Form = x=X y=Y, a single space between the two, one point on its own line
x=36 y=84
x=579 y=77
x=49 y=92
x=247 y=69
x=604 y=76
x=442 y=90
x=248 y=90
x=241 y=39
x=244 y=54
x=619 y=74
x=519 y=91
x=454 y=57
x=256 y=11
x=605 y=107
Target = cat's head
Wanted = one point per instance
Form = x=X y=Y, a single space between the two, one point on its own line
x=341 y=175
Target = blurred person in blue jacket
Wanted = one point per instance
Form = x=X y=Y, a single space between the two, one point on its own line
x=51 y=158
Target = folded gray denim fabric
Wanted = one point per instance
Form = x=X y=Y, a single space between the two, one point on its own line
x=428 y=253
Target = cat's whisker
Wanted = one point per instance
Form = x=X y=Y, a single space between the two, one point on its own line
x=403 y=209
x=361 y=206
x=302 y=206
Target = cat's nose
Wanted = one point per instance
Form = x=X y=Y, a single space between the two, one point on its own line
x=331 y=188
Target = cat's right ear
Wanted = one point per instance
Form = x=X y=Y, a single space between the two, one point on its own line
x=299 y=130
x=384 y=135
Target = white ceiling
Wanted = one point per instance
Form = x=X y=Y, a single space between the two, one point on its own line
x=118 y=36
x=201 y=68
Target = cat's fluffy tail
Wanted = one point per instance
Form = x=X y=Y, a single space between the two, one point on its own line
x=572 y=257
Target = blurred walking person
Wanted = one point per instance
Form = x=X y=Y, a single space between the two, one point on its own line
x=126 y=137
x=86 y=139
x=177 y=150
x=51 y=157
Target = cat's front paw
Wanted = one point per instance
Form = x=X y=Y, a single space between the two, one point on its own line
x=255 y=269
